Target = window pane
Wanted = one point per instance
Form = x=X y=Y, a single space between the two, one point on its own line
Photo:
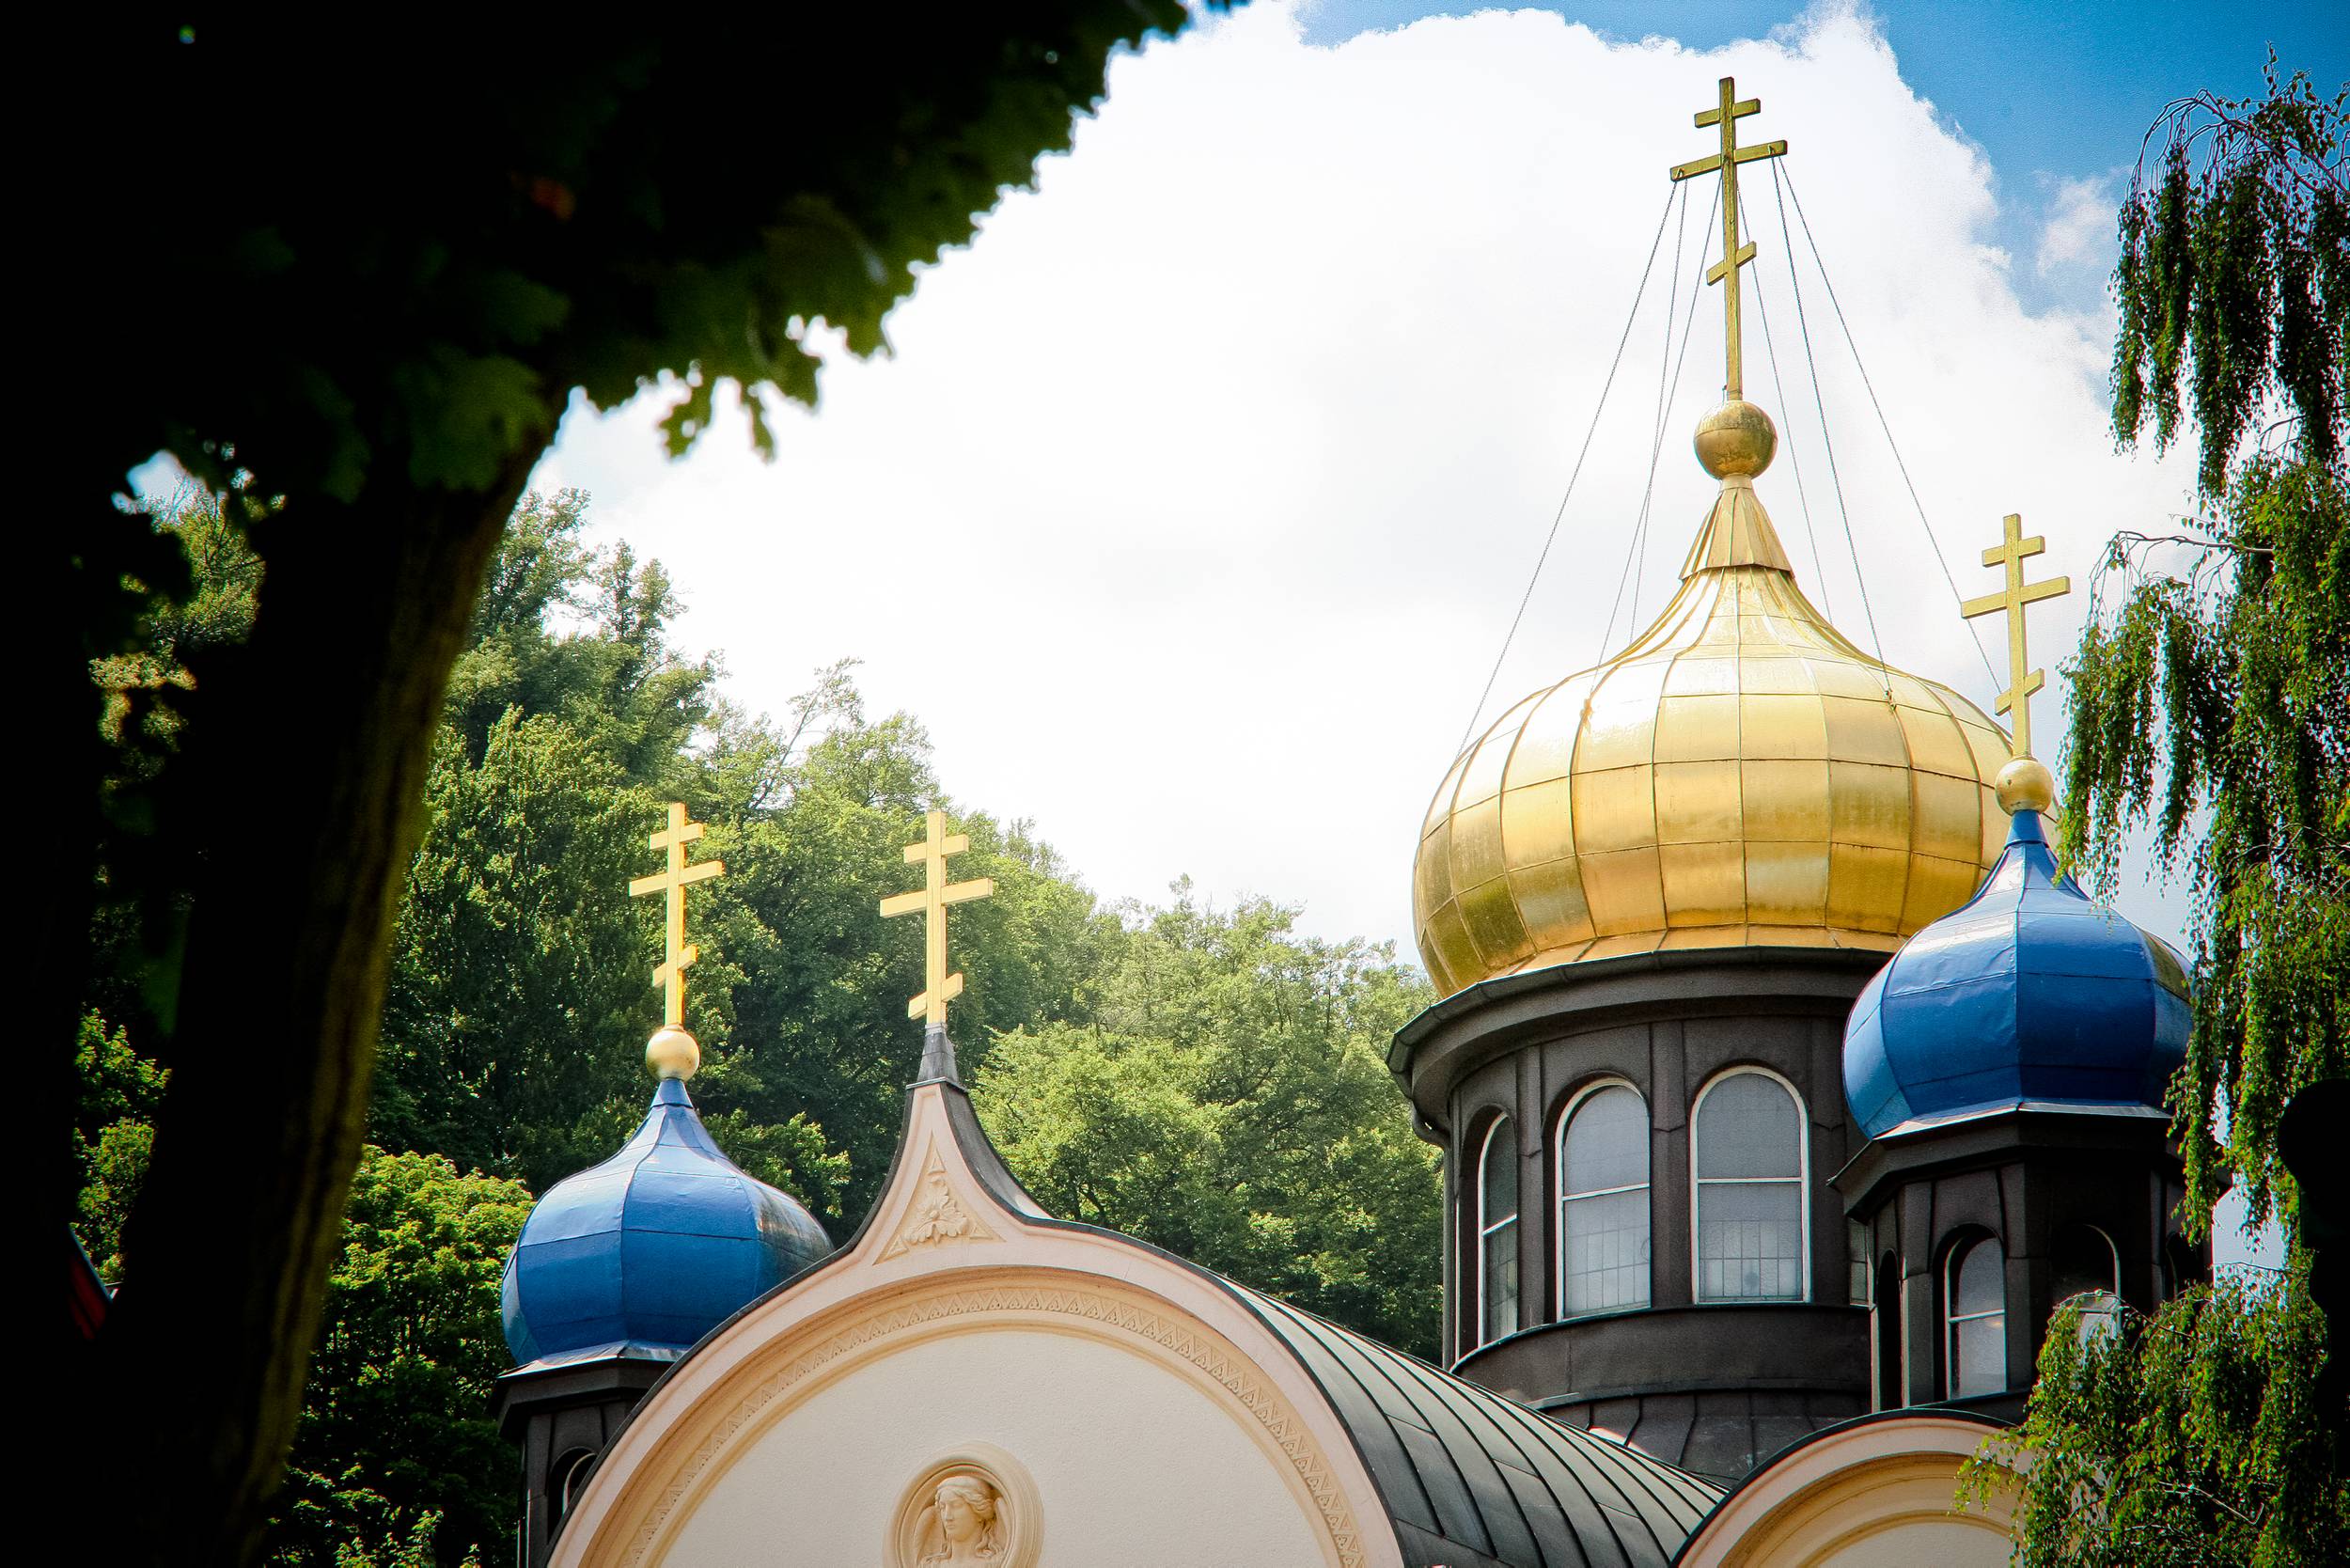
x=1607 y=1143
x=1978 y=1356
x=1747 y=1127
x=2084 y=1261
x=1500 y=1284
x=1606 y=1247
x=1501 y=1175
x=1750 y=1240
x=1982 y=1280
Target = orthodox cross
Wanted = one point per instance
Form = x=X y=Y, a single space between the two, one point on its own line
x=673 y=879
x=932 y=898
x=2010 y=552
x=1726 y=114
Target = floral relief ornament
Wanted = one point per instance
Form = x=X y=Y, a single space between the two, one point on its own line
x=935 y=1216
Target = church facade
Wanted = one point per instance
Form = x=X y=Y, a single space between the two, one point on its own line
x=1785 y=1087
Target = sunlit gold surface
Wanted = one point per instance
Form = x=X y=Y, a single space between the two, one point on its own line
x=932 y=898
x=2025 y=785
x=1736 y=438
x=672 y=879
x=673 y=1053
x=1742 y=775
x=2022 y=681
x=1726 y=114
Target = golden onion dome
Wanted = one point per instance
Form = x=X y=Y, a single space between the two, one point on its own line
x=1740 y=776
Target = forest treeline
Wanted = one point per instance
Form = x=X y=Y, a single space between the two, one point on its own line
x=1207 y=1079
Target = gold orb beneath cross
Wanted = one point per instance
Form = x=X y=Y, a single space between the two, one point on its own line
x=2025 y=785
x=1736 y=439
x=673 y=1053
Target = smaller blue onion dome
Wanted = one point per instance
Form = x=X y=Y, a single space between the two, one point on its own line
x=648 y=1251
x=2027 y=994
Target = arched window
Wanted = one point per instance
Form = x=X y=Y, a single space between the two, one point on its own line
x=1974 y=1297
x=1752 y=1240
x=2085 y=1260
x=1497 y=1232
x=564 y=1482
x=2087 y=1273
x=1603 y=1202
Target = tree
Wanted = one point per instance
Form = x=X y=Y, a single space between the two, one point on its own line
x=1229 y=1101
x=384 y=295
x=2212 y=704
x=396 y=1426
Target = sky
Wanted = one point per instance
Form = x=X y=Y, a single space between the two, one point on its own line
x=1192 y=503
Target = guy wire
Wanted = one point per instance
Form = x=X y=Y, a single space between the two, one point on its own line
x=1656 y=429
x=1827 y=442
x=1818 y=571
x=1932 y=547
x=1656 y=447
x=1647 y=269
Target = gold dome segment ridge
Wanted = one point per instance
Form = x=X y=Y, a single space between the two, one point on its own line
x=1740 y=776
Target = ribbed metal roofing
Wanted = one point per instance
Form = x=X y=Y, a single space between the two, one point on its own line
x=1472 y=1479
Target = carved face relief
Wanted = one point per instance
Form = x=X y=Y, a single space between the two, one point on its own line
x=975 y=1508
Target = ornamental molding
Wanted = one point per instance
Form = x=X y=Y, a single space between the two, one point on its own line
x=933 y=1214
x=1172 y=1332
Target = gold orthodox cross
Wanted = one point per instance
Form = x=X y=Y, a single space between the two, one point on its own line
x=1726 y=114
x=932 y=898
x=674 y=879
x=2012 y=552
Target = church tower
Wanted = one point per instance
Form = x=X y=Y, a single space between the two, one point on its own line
x=2008 y=1067
x=622 y=1268
x=1649 y=895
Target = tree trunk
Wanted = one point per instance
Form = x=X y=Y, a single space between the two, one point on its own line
x=305 y=787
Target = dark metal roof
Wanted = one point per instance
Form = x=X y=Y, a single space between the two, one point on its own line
x=1472 y=1479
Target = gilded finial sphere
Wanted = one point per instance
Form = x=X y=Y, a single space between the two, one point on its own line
x=2025 y=785
x=672 y=1053
x=1736 y=439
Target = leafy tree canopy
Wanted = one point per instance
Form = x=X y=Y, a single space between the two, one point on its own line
x=2211 y=703
x=1229 y=1101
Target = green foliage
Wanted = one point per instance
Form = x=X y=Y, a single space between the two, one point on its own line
x=2216 y=708
x=2234 y=274
x=1229 y=1101
x=2181 y=1440
x=2210 y=705
x=581 y=224
x=114 y=1130
x=413 y=1549
x=395 y=1445
x=520 y=988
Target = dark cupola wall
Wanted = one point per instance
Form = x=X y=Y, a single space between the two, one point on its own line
x=1639 y=1235
x=2010 y=1064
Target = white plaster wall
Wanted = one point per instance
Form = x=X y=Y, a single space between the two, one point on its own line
x=1135 y=1465
x=1921 y=1543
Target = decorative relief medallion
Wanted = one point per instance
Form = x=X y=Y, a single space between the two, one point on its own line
x=974 y=1507
x=935 y=1216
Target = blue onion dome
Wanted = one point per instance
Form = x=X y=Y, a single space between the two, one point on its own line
x=2028 y=994
x=648 y=1251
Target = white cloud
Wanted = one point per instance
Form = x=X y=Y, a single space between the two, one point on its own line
x=2077 y=233
x=1191 y=508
